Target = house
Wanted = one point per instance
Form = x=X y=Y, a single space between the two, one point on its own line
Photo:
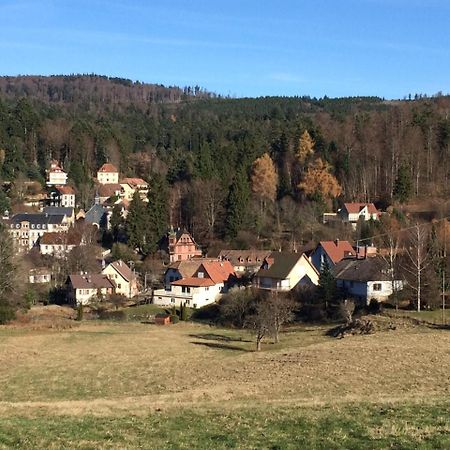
x=180 y=245
x=124 y=278
x=108 y=174
x=365 y=279
x=353 y=212
x=58 y=244
x=130 y=185
x=283 y=271
x=62 y=196
x=106 y=191
x=181 y=269
x=207 y=284
x=244 y=261
x=331 y=252
x=68 y=212
x=42 y=275
x=162 y=319
x=26 y=228
x=82 y=289
x=56 y=175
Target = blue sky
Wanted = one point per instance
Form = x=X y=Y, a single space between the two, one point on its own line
x=237 y=47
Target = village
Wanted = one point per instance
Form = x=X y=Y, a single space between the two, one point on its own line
x=51 y=228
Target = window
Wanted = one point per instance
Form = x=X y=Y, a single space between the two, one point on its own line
x=119 y=286
x=172 y=300
x=200 y=275
x=377 y=286
x=185 y=289
x=207 y=288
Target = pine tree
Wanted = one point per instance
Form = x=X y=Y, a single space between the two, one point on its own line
x=137 y=225
x=327 y=285
x=403 y=184
x=237 y=207
x=116 y=222
x=8 y=274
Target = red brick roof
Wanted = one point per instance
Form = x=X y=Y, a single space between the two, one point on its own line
x=355 y=208
x=107 y=167
x=337 y=250
x=108 y=190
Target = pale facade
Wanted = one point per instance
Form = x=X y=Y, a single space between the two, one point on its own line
x=56 y=175
x=108 y=174
x=123 y=277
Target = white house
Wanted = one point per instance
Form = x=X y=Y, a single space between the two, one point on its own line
x=58 y=244
x=123 y=277
x=353 y=212
x=108 y=174
x=62 y=196
x=56 y=175
x=282 y=271
x=205 y=286
x=366 y=279
x=81 y=289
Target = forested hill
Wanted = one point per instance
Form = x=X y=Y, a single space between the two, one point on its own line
x=78 y=90
x=196 y=138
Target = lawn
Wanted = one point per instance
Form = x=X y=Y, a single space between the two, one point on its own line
x=129 y=385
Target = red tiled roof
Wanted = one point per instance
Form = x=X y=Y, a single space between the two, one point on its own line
x=60 y=239
x=194 y=281
x=355 y=208
x=133 y=181
x=108 y=190
x=67 y=190
x=218 y=271
x=107 y=167
x=337 y=250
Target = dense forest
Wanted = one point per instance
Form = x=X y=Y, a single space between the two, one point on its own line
x=263 y=165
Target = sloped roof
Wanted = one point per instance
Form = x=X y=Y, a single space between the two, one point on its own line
x=337 y=250
x=91 y=281
x=280 y=265
x=65 y=190
x=218 y=271
x=355 y=208
x=120 y=267
x=186 y=268
x=134 y=181
x=250 y=257
x=108 y=190
x=37 y=218
x=108 y=167
x=58 y=210
x=60 y=239
x=369 y=269
x=96 y=215
x=194 y=282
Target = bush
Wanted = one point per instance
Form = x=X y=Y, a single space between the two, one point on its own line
x=7 y=314
x=174 y=318
x=80 y=310
x=119 y=316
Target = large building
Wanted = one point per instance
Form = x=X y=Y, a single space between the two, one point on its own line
x=63 y=196
x=108 y=174
x=56 y=175
x=181 y=245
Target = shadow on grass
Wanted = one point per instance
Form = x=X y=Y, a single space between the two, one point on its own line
x=218 y=337
x=222 y=346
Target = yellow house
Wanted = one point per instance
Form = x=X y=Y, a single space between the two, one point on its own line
x=123 y=277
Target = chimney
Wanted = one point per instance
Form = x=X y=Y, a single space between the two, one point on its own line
x=336 y=242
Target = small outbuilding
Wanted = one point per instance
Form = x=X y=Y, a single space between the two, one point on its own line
x=162 y=319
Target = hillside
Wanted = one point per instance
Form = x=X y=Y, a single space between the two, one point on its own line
x=201 y=142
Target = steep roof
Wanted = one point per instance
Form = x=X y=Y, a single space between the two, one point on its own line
x=108 y=190
x=355 y=208
x=186 y=268
x=218 y=271
x=120 y=267
x=337 y=250
x=96 y=215
x=108 y=167
x=134 y=181
x=279 y=265
x=370 y=269
x=91 y=281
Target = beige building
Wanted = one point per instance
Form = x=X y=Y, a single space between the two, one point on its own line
x=108 y=174
x=56 y=175
x=123 y=277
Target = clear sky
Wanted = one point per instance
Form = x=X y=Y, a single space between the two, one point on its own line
x=237 y=47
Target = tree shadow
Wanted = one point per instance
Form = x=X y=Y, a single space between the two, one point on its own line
x=217 y=337
x=222 y=346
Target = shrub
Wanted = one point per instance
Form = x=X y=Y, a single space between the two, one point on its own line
x=80 y=310
x=174 y=318
x=7 y=314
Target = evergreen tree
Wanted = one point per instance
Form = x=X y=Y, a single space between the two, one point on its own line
x=116 y=222
x=327 y=285
x=4 y=202
x=403 y=184
x=8 y=274
x=237 y=207
x=137 y=225
x=157 y=211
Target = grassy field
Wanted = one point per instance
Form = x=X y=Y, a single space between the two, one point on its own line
x=133 y=385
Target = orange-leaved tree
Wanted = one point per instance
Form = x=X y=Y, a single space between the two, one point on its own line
x=305 y=147
x=264 y=179
x=319 y=180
